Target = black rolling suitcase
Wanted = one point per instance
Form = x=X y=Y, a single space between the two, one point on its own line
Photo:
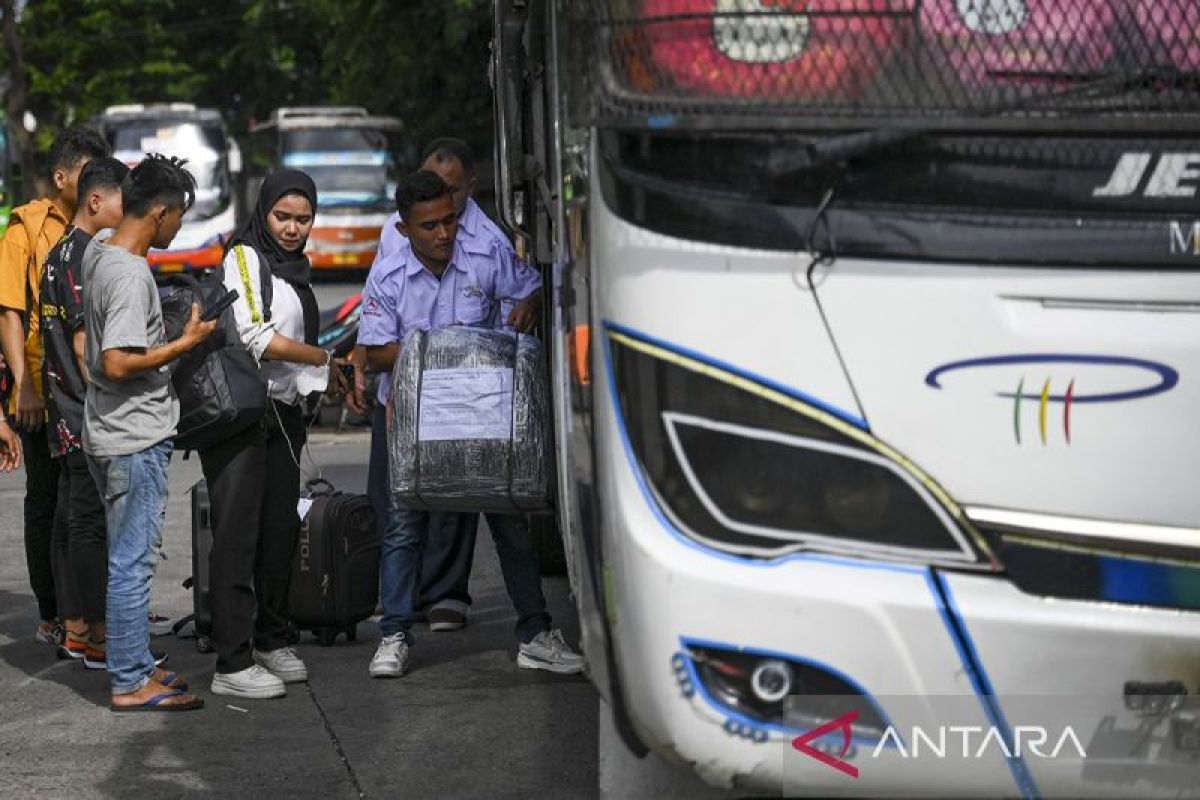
x=202 y=541
x=335 y=574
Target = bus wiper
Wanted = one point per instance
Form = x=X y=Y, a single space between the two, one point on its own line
x=848 y=147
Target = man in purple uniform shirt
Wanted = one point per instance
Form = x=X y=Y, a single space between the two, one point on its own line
x=449 y=552
x=433 y=282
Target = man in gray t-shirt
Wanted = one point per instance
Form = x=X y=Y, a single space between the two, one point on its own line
x=122 y=311
x=129 y=418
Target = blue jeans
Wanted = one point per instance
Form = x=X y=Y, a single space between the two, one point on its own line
x=406 y=532
x=450 y=547
x=134 y=489
x=400 y=562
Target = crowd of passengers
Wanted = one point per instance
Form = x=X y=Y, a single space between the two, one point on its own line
x=91 y=413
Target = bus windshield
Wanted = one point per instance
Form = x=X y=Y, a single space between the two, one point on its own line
x=350 y=166
x=1015 y=198
x=203 y=145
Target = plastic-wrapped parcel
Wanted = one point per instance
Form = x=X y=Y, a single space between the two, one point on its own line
x=470 y=424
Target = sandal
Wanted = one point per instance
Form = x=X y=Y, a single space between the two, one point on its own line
x=170 y=680
x=160 y=702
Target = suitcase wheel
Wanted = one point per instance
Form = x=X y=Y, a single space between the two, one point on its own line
x=204 y=644
x=327 y=636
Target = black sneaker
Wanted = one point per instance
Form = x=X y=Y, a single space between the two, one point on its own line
x=446 y=619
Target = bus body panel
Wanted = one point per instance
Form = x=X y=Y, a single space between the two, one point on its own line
x=345 y=240
x=751 y=309
x=1073 y=659
x=934 y=650
x=937 y=352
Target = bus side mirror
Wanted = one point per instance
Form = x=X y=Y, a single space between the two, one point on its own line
x=507 y=78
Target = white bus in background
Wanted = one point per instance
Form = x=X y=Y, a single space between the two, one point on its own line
x=876 y=344
x=198 y=135
x=350 y=155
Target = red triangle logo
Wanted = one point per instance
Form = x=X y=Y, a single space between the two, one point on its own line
x=842 y=723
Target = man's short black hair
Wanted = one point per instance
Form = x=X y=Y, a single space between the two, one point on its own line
x=446 y=148
x=74 y=145
x=158 y=180
x=100 y=173
x=421 y=186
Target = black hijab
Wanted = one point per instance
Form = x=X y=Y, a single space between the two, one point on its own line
x=291 y=266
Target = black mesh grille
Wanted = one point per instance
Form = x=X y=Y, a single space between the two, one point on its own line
x=1133 y=64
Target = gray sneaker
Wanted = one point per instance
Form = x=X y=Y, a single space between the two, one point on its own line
x=391 y=657
x=283 y=664
x=252 y=682
x=549 y=651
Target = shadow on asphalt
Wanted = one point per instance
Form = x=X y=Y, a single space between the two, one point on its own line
x=18 y=622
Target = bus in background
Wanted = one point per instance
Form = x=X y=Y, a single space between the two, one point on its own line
x=350 y=155
x=875 y=335
x=213 y=157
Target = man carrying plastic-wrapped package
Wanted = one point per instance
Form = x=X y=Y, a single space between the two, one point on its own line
x=435 y=283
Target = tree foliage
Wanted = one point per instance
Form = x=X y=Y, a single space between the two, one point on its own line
x=424 y=61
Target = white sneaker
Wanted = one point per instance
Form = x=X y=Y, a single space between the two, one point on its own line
x=253 y=682
x=283 y=664
x=391 y=657
x=549 y=651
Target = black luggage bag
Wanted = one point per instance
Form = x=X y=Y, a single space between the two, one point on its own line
x=335 y=573
x=220 y=389
x=202 y=542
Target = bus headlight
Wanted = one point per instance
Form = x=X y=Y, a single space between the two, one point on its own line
x=774 y=689
x=747 y=469
x=771 y=680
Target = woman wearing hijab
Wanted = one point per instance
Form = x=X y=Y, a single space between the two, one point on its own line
x=254 y=477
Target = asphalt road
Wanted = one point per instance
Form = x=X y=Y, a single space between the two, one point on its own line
x=465 y=722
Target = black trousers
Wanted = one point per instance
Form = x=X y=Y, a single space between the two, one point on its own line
x=41 y=494
x=80 y=542
x=253 y=485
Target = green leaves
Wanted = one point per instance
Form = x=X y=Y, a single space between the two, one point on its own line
x=422 y=60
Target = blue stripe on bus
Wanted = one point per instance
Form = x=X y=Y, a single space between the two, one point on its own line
x=679 y=536
x=796 y=394
x=956 y=626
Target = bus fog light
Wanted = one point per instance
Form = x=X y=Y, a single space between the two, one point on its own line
x=771 y=680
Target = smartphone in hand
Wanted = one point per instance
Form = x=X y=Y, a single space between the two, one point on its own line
x=214 y=311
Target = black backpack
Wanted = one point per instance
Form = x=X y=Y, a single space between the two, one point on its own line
x=221 y=392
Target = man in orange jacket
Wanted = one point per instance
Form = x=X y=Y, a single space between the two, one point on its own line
x=33 y=229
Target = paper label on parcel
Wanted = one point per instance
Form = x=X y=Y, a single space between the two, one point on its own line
x=466 y=404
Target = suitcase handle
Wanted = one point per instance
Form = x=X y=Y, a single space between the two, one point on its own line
x=319 y=487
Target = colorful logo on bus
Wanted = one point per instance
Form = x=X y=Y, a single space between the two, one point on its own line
x=1049 y=383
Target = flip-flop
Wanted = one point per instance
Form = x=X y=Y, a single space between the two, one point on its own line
x=159 y=703
x=171 y=680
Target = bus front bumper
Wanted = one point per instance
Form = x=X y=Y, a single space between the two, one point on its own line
x=925 y=649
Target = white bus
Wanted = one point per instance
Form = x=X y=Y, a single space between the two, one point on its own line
x=198 y=135
x=876 y=340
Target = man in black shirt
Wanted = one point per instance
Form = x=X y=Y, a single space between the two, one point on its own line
x=79 y=549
